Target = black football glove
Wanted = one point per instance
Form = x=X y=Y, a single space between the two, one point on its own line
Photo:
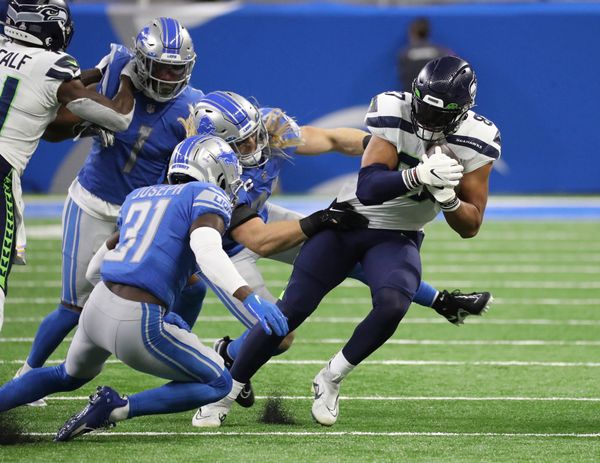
x=338 y=216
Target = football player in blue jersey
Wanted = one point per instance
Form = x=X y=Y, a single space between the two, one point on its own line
x=166 y=233
x=264 y=140
x=399 y=189
x=163 y=59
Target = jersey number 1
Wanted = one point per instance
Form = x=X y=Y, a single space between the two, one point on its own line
x=8 y=94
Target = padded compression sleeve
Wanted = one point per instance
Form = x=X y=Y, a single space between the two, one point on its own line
x=99 y=114
x=92 y=274
x=378 y=184
x=207 y=246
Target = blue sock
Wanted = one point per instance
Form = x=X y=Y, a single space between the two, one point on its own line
x=358 y=274
x=189 y=302
x=425 y=294
x=177 y=396
x=51 y=332
x=234 y=347
x=37 y=384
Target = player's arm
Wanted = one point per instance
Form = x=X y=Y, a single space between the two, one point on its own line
x=90 y=76
x=342 y=140
x=473 y=194
x=92 y=273
x=249 y=229
x=114 y=115
x=206 y=243
x=379 y=180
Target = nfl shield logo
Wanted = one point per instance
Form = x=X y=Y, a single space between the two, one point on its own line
x=150 y=108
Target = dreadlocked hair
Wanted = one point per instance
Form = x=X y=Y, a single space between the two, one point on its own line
x=278 y=125
x=189 y=123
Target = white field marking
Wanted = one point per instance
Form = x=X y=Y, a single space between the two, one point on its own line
x=513 y=284
x=402 y=342
x=409 y=321
x=482 y=257
x=561 y=302
x=400 y=398
x=574 y=269
x=488 y=268
x=326 y=434
x=414 y=363
x=45 y=232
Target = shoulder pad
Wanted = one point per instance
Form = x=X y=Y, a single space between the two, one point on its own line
x=64 y=68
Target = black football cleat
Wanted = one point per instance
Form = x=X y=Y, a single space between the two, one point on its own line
x=246 y=396
x=456 y=306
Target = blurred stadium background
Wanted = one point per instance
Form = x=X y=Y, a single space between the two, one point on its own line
x=521 y=383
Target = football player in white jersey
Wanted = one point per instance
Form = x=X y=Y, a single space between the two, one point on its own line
x=399 y=189
x=36 y=78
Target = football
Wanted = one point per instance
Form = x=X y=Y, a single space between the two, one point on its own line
x=443 y=146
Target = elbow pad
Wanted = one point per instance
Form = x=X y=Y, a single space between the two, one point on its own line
x=101 y=115
x=214 y=263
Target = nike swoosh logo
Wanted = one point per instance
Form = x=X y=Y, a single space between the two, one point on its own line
x=316 y=388
x=432 y=171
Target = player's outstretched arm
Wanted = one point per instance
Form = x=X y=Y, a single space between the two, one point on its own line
x=114 y=115
x=249 y=229
x=342 y=140
x=473 y=194
x=206 y=243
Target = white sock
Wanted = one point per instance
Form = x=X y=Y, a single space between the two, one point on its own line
x=24 y=369
x=235 y=391
x=2 y=298
x=120 y=414
x=339 y=367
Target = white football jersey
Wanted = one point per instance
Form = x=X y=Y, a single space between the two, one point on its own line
x=474 y=144
x=29 y=79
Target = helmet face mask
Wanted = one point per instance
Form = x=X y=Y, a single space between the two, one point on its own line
x=206 y=159
x=40 y=23
x=165 y=58
x=442 y=94
x=237 y=121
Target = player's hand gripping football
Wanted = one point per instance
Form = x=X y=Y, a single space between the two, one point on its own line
x=338 y=216
x=268 y=314
x=439 y=170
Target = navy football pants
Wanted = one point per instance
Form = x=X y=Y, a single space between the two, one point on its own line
x=392 y=265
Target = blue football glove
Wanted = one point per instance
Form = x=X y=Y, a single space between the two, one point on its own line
x=268 y=314
x=174 y=319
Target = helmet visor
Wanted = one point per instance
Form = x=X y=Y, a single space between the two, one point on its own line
x=432 y=118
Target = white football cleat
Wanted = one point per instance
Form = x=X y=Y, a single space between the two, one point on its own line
x=211 y=415
x=36 y=403
x=326 y=407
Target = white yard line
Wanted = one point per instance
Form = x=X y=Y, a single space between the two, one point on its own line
x=410 y=321
x=329 y=434
x=401 y=398
x=418 y=363
x=401 y=342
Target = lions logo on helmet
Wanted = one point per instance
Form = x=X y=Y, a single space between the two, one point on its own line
x=206 y=159
x=443 y=92
x=237 y=121
x=164 y=58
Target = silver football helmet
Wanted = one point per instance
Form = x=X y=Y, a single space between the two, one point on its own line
x=206 y=159
x=164 y=58
x=237 y=121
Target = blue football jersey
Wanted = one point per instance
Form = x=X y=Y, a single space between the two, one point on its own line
x=140 y=154
x=263 y=179
x=154 y=251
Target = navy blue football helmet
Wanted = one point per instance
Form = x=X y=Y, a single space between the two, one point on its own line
x=442 y=93
x=41 y=23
